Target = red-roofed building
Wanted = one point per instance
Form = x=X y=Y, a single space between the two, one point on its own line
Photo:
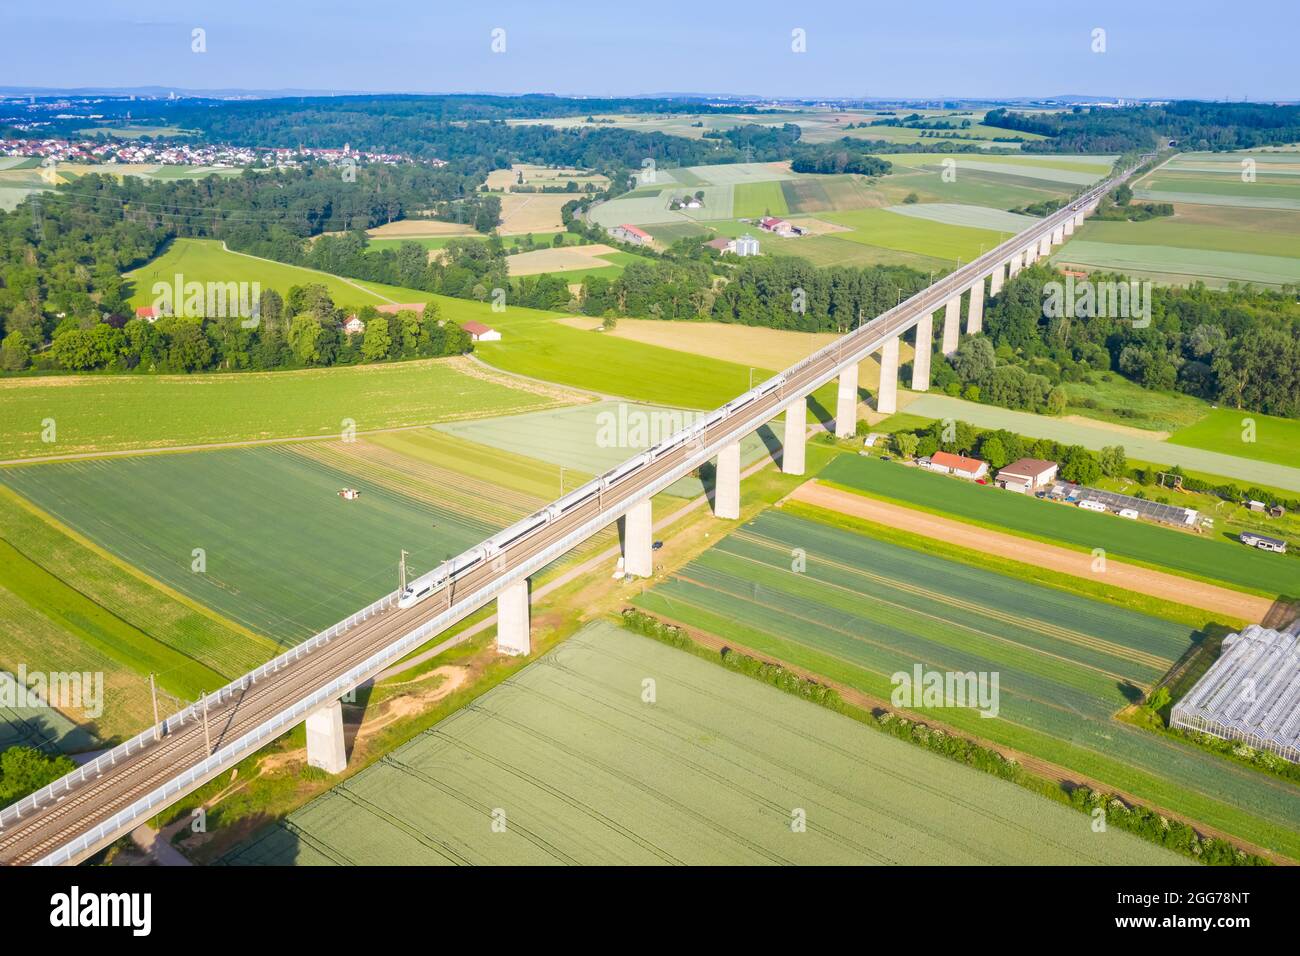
x=478 y=332
x=626 y=233
x=147 y=312
x=779 y=226
x=958 y=465
x=353 y=325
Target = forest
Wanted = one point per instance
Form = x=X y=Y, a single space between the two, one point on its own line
x=1194 y=125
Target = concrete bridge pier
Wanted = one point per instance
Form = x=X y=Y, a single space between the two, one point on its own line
x=726 y=485
x=1058 y=235
x=1044 y=246
x=325 y=739
x=796 y=432
x=846 y=403
x=951 y=324
x=513 y=633
x=1015 y=265
x=1068 y=228
x=921 y=358
x=975 y=310
x=1031 y=254
x=996 y=279
x=638 y=532
x=1078 y=219
x=887 y=397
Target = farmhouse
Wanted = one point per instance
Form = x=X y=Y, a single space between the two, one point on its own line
x=780 y=227
x=722 y=244
x=626 y=233
x=1251 y=693
x=354 y=325
x=1026 y=475
x=478 y=332
x=959 y=465
x=147 y=312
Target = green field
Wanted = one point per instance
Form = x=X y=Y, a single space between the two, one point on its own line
x=754 y=200
x=831 y=250
x=69 y=606
x=882 y=227
x=1169 y=264
x=583 y=772
x=1224 y=430
x=1174 y=232
x=976 y=217
x=576 y=437
x=1199 y=556
x=814 y=194
x=108 y=413
x=971 y=187
x=1095 y=167
x=862 y=610
x=205 y=260
x=285 y=555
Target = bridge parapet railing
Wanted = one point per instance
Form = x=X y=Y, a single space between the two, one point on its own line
x=94 y=768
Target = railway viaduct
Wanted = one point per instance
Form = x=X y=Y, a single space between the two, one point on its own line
x=88 y=809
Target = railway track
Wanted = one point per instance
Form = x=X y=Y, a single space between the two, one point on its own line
x=236 y=711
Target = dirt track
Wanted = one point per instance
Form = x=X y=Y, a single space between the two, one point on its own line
x=1131 y=577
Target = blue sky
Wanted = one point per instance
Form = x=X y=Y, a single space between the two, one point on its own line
x=921 y=48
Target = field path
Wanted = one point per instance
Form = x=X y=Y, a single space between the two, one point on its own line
x=1169 y=587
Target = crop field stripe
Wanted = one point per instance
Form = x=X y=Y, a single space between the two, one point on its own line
x=707 y=775
x=942 y=597
x=1038 y=714
x=685 y=736
x=1032 y=661
x=421 y=482
x=985 y=585
x=1097 y=761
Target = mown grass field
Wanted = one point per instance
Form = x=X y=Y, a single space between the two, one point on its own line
x=285 y=555
x=591 y=439
x=1225 y=430
x=108 y=413
x=881 y=227
x=585 y=772
x=70 y=606
x=205 y=260
x=861 y=610
x=1200 y=556
x=753 y=200
x=1178 y=264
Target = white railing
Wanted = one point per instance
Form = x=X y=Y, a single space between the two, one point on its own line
x=155 y=733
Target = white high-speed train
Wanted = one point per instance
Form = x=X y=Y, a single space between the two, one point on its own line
x=432 y=583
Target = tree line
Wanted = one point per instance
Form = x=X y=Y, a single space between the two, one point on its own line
x=1195 y=125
